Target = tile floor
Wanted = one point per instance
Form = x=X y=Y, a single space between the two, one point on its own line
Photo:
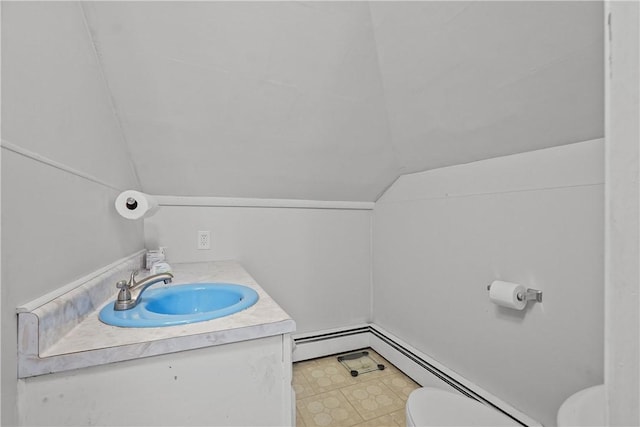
x=327 y=394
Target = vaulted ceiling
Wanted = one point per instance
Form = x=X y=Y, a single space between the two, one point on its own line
x=335 y=100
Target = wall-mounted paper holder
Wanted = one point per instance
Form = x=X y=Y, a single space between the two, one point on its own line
x=528 y=295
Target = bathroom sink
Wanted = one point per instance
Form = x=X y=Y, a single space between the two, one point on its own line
x=182 y=304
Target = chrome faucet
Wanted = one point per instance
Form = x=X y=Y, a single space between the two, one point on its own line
x=129 y=295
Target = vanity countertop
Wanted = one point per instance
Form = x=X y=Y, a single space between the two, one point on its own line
x=92 y=342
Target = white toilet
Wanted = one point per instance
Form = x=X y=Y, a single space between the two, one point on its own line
x=435 y=407
x=584 y=408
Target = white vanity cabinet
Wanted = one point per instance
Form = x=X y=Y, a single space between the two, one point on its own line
x=230 y=371
x=241 y=384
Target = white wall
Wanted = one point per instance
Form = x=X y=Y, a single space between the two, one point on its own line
x=315 y=263
x=440 y=237
x=63 y=162
x=622 y=324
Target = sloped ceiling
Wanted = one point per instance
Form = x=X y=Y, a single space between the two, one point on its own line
x=335 y=100
x=472 y=80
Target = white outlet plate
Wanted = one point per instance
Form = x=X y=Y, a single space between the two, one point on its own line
x=204 y=240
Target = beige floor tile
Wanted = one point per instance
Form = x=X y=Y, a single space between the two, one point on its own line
x=299 y=420
x=400 y=384
x=301 y=386
x=383 y=421
x=326 y=375
x=305 y=363
x=327 y=395
x=372 y=399
x=400 y=417
x=329 y=409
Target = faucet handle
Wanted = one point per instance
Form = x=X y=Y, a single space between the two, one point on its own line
x=124 y=295
x=122 y=284
x=132 y=281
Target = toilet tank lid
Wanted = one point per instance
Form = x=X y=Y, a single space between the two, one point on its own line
x=429 y=406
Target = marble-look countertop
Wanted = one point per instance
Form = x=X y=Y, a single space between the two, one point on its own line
x=93 y=343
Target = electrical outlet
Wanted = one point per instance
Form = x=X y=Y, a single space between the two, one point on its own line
x=204 y=239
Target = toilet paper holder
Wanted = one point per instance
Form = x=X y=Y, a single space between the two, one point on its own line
x=528 y=295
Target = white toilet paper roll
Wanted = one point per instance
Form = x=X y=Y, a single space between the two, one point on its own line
x=133 y=204
x=505 y=294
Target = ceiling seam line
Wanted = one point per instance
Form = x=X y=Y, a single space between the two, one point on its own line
x=110 y=98
x=394 y=151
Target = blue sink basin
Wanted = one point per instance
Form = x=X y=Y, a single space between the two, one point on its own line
x=182 y=304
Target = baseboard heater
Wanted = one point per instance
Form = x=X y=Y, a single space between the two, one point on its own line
x=406 y=353
x=333 y=335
